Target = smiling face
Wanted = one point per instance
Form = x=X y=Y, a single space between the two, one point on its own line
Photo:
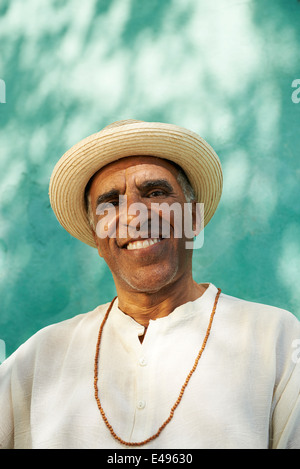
x=142 y=261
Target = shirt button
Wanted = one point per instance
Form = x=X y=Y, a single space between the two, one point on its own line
x=141 y=404
x=142 y=361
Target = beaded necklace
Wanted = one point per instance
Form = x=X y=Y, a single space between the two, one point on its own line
x=141 y=443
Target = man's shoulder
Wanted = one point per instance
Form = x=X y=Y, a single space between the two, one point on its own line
x=258 y=312
x=71 y=324
x=52 y=339
x=266 y=330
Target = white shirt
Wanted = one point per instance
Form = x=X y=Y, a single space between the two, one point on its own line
x=243 y=394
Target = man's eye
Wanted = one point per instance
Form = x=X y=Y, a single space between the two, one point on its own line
x=156 y=193
x=115 y=203
x=110 y=204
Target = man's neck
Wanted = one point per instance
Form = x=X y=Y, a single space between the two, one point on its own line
x=143 y=306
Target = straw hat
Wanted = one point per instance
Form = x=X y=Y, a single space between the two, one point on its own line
x=131 y=138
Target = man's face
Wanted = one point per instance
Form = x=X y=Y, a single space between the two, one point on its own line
x=139 y=259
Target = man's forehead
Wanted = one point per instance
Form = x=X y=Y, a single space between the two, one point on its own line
x=132 y=164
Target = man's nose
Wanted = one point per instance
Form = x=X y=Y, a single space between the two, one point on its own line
x=127 y=203
x=133 y=215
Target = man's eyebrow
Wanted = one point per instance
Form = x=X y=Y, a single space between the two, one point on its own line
x=153 y=183
x=107 y=196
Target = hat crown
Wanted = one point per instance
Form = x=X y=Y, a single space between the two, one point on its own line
x=122 y=122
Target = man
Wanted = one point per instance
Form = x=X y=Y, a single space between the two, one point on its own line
x=169 y=363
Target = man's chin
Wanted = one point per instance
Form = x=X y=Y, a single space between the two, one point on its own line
x=149 y=282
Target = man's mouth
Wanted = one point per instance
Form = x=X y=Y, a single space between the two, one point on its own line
x=142 y=244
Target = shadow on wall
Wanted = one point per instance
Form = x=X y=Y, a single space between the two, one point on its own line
x=223 y=69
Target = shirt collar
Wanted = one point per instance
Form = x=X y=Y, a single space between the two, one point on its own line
x=126 y=325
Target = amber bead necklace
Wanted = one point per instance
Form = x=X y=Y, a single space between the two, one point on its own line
x=141 y=443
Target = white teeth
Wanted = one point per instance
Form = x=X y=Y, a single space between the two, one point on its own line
x=142 y=244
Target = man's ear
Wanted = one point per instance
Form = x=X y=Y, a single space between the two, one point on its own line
x=97 y=243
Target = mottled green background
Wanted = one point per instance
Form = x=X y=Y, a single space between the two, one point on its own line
x=222 y=68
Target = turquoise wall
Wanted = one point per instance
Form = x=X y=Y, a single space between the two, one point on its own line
x=221 y=68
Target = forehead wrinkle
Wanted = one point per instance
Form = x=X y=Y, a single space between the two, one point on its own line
x=114 y=184
x=148 y=171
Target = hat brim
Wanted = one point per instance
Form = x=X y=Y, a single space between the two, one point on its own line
x=179 y=145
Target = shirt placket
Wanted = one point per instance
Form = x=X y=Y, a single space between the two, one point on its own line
x=140 y=428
